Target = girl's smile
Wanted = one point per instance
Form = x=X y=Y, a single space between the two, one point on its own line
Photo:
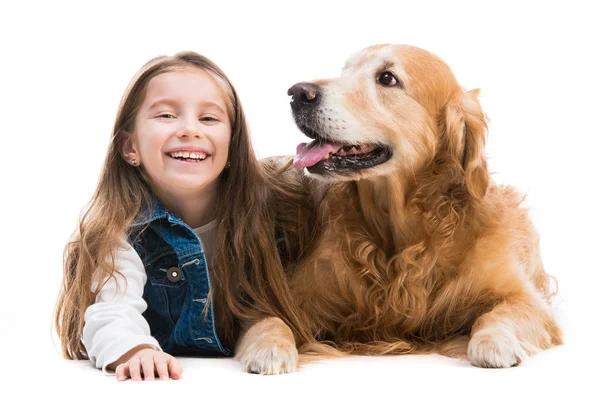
x=189 y=156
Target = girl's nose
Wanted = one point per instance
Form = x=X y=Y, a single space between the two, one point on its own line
x=190 y=128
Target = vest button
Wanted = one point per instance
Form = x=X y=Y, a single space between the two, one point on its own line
x=174 y=274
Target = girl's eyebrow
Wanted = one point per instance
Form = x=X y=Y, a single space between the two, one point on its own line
x=167 y=101
x=174 y=103
x=211 y=104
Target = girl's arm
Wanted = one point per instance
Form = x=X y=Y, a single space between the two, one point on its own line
x=114 y=324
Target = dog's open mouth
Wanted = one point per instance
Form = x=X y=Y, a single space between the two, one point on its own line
x=322 y=156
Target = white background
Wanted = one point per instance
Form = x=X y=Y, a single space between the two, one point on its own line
x=65 y=66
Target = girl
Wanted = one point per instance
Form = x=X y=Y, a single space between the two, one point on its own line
x=178 y=244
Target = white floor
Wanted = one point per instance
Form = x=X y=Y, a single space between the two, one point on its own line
x=567 y=373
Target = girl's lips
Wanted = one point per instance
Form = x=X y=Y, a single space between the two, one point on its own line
x=187 y=153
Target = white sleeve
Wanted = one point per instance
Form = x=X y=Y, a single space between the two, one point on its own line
x=114 y=323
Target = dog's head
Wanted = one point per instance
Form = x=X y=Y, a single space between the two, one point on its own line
x=393 y=108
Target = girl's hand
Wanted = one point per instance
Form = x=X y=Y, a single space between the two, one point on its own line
x=147 y=363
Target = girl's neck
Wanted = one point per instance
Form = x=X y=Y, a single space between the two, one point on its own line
x=195 y=209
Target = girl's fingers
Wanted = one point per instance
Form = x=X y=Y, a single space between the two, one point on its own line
x=161 y=368
x=148 y=367
x=165 y=365
x=174 y=368
x=134 y=369
x=122 y=372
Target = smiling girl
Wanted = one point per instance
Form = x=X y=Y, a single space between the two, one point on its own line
x=178 y=244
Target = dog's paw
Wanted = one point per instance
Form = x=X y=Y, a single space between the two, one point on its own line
x=270 y=358
x=268 y=348
x=496 y=347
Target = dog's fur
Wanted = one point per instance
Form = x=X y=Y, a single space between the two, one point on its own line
x=419 y=253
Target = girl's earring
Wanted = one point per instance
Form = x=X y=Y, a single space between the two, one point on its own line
x=228 y=165
x=134 y=162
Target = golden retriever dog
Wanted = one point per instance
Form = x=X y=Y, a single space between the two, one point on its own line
x=418 y=250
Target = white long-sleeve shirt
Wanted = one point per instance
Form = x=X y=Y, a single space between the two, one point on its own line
x=114 y=323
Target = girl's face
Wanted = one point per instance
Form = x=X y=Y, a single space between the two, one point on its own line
x=182 y=131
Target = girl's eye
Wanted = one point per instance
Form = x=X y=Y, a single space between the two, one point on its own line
x=208 y=119
x=165 y=116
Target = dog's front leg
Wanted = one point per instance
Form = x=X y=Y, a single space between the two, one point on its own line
x=515 y=328
x=267 y=347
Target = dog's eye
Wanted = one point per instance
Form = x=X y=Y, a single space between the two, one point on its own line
x=387 y=79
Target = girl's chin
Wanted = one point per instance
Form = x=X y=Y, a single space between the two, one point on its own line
x=191 y=182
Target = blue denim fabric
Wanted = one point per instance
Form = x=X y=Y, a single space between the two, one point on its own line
x=175 y=304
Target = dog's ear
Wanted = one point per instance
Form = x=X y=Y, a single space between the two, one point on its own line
x=463 y=131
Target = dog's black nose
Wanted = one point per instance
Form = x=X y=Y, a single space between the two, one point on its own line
x=304 y=95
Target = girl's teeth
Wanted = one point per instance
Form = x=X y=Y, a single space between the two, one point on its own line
x=188 y=155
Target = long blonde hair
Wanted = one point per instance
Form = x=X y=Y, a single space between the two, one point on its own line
x=249 y=282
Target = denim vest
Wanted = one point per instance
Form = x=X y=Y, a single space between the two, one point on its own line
x=177 y=286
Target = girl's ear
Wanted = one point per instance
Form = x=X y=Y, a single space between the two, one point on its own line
x=129 y=148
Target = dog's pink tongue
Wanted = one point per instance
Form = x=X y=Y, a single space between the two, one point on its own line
x=310 y=154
